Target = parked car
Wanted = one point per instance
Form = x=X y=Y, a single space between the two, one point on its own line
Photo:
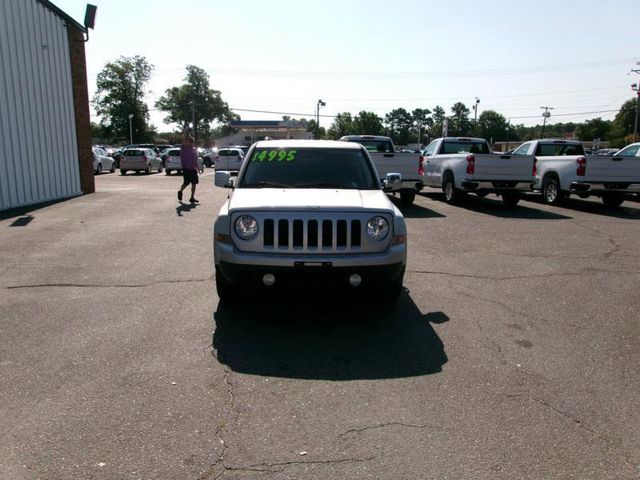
x=172 y=161
x=607 y=152
x=229 y=159
x=102 y=161
x=140 y=160
x=209 y=156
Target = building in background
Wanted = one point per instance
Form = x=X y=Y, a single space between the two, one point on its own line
x=251 y=131
x=45 y=133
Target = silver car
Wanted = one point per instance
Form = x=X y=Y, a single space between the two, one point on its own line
x=102 y=161
x=140 y=160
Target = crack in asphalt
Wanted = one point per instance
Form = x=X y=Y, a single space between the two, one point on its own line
x=385 y=425
x=300 y=462
x=608 y=443
x=214 y=469
x=101 y=285
x=518 y=277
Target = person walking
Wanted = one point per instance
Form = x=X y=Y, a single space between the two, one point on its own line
x=190 y=168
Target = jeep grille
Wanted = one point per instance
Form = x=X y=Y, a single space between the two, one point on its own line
x=301 y=232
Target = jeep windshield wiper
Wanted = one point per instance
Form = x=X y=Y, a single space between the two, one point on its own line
x=321 y=185
x=265 y=185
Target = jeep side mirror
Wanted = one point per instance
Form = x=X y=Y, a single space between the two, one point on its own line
x=223 y=179
x=391 y=181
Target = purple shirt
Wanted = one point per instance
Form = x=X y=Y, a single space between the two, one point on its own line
x=189 y=157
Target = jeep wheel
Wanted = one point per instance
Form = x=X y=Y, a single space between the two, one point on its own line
x=407 y=198
x=226 y=291
x=392 y=290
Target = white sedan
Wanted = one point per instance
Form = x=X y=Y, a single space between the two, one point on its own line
x=102 y=161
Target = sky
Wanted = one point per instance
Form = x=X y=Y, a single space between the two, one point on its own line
x=283 y=55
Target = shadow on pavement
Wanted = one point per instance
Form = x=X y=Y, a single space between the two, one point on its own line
x=416 y=211
x=492 y=205
x=339 y=339
x=185 y=207
x=23 y=211
x=629 y=209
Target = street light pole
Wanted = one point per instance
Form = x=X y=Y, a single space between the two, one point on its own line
x=130 y=129
x=318 y=105
x=636 y=89
x=475 y=115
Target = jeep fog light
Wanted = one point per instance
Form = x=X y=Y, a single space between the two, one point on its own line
x=377 y=228
x=246 y=227
x=269 y=279
x=355 y=280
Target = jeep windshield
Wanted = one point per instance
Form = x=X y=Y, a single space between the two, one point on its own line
x=308 y=168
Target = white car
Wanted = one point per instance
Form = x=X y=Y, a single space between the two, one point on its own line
x=172 y=161
x=229 y=159
x=102 y=161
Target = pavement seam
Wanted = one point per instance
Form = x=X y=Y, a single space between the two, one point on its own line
x=101 y=285
x=389 y=424
x=586 y=271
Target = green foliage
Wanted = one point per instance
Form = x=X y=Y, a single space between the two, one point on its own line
x=624 y=121
x=120 y=92
x=195 y=100
x=399 y=125
x=342 y=125
x=368 y=123
x=438 y=116
x=591 y=129
x=459 y=123
x=492 y=126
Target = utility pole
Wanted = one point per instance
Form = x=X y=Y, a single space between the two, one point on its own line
x=193 y=119
x=545 y=115
x=636 y=88
x=508 y=125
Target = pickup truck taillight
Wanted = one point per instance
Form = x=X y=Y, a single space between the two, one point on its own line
x=471 y=164
x=421 y=165
x=535 y=166
x=581 y=166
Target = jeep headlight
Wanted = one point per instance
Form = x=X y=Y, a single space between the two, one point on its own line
x=246 y=227
x=377 y=228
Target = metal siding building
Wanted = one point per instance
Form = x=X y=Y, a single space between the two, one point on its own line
x=38 y=143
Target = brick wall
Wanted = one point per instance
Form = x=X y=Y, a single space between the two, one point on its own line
x=81 y=107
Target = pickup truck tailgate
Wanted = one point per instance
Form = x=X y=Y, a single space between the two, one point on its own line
x=503 y=167
x=403 y=163
x=612 y=169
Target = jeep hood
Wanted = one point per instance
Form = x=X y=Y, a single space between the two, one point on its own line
x=308 y=199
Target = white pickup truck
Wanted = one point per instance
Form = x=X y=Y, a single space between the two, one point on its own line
x=308 y=212
x=388 y=160
x=463 y=165
x=562 y=168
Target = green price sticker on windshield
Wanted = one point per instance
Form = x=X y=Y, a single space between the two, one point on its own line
x=275 y=156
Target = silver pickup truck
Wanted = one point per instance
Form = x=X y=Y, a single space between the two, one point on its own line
x=461 y=165
x=388 y=160
x=562 y=168
x=308 y=212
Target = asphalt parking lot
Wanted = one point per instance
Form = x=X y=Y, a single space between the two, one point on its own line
x=513 y=352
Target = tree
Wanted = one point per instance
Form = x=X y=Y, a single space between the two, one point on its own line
x=423 y=122
x=368 y=123
x=194 y=101
x=492 y=126
x=591 y=129
x=342 y=125
x=624 y=121
x=399 y=124
x=438 y=116
x=459 y=123
x=120 y=93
